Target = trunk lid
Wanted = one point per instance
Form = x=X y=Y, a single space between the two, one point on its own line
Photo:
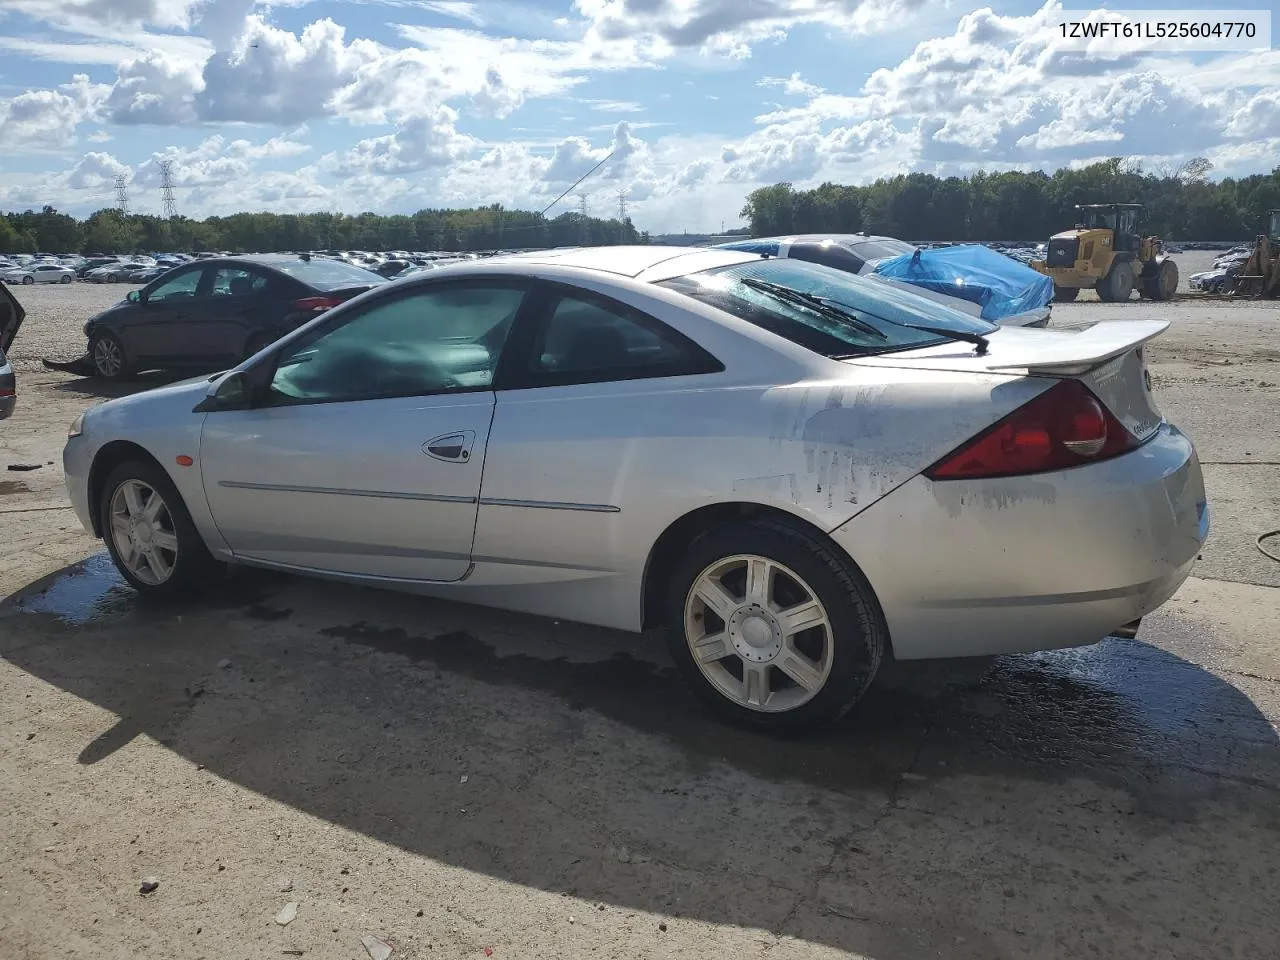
x=11 y=317
x=1106 y=356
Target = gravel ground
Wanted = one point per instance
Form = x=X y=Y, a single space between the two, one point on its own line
x=56 y=314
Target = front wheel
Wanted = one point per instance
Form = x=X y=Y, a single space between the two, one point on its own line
x=106 y=353
x=1065 y=294
x=149 y=533
x=28 y=280
x=773 y=627
x=66 y=278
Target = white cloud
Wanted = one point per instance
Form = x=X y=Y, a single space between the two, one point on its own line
x=274 y=76
x=96 y=171
x=420 y=143
x=48 y=118
x=156 y=89
x=1259 y=117
x=729 y=28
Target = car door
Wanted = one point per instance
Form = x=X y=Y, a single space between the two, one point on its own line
x=155 y=327
x=585 y=396
x=221 y=324
x=365 y=456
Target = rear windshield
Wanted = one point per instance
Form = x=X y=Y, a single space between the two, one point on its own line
x=327 y=274
x=825 y=332
x=880 y=249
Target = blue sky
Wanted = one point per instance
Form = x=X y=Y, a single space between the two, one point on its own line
x=392 y=105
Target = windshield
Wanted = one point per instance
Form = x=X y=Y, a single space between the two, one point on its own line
x=876 y=309
x=327 y=274
x=1100 y=219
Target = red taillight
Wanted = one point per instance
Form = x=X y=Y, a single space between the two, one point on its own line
x=316 y=304
x=1063 y=427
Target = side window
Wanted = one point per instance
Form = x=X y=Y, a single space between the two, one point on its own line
x=587 y=341
x=237 y=282
x=432 y=340
x=179 y=287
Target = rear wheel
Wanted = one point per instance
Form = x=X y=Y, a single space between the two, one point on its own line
x=1065 y=294
x=772 y=627
x=149 y=533
x=28 y=279
x=106 y=353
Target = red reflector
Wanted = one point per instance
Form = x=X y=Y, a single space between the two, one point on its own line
x=1063 y=427
x=184 y=460
x=4 y=392
x=316 y=304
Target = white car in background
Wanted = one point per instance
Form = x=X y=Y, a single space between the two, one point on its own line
x=39 y=273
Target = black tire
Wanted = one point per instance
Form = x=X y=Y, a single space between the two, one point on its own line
x=858 y=635
x=1065 y=294
x=1163 y=285
x=28 y=280
x=1117 y=285
x=66 y=278
x=193 y=564
x=99 y=346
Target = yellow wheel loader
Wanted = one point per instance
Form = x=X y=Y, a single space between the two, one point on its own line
x=1260 y=275
x=1106 y=253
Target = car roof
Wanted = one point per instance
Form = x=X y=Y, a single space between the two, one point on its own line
x=661 y=261
x=847 y=239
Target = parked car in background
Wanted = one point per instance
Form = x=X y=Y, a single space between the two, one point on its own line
x=797 y=469
x=969 y=278
x=39 y=273
x=391 y=268
x=93 y=263
x=217 y=311
x=11 y=317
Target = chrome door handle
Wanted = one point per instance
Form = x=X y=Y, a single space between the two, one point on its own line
x=454 y=447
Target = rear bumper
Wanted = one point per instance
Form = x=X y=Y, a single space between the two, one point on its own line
x=976 y=568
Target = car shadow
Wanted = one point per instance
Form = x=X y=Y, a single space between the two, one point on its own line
x=101 y=389
x=1095 y=796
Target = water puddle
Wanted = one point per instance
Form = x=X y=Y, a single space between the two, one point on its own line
x=89 y=591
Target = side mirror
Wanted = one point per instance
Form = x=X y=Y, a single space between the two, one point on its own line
x=136 y=296
x=233 y=392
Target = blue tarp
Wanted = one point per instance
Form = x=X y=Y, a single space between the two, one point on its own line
x=1002 y=286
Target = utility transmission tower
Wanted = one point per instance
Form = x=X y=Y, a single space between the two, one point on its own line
x=122 y=195
x=584 y=226
x=166 y=189
x=622 y=206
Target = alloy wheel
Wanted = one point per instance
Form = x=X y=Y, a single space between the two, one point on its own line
x=758 y=633
x=106 y=357
x=143 y=533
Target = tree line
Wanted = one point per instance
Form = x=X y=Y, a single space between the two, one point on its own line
x=484 y=228
x=1181 y=204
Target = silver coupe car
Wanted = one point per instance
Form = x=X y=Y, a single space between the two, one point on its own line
x=795 y=470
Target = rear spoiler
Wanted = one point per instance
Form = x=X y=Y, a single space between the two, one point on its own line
x=1069 y=352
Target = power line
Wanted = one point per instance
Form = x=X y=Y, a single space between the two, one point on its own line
x=122 y=194
x=575 y=183
x=166 y=189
